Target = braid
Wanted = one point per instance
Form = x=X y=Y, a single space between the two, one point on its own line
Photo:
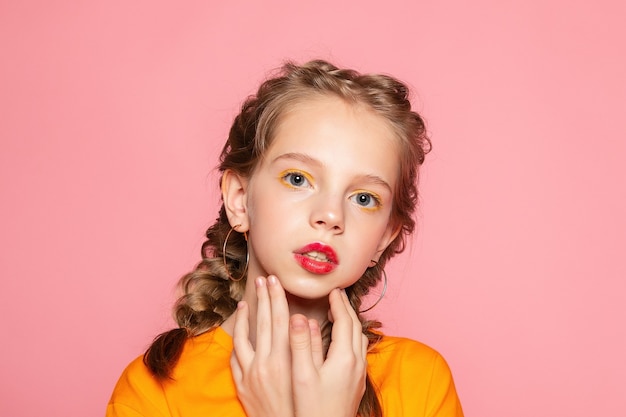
x=209 y=297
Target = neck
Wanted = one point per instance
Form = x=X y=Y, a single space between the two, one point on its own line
x=313 y=309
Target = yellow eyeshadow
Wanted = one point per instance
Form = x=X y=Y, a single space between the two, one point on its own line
x=286 y=172
x=376 y=197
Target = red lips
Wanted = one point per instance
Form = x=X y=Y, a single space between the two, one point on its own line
x=317 y=258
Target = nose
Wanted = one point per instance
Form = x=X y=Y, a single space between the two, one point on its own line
x=328 y=214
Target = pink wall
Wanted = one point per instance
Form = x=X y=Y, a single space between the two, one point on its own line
x=111 y=116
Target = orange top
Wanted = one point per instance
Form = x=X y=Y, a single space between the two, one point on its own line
x=412 y=379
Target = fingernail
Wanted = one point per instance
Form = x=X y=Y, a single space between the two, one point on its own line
x=260 y=281
x=241 y=304
x=313 y=324
x=271 y=280
x=299 y=323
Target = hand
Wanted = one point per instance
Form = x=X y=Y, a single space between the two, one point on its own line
x=335 y=386
x=262 y=373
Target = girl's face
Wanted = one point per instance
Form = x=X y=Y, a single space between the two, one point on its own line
x=318 y=204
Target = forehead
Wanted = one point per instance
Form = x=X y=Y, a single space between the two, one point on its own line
x=338 y=134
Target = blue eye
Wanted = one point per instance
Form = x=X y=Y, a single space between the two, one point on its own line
x=366 y=200
x=363 y=199
x=295 y=179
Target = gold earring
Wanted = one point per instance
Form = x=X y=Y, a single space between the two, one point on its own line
x=245 y=269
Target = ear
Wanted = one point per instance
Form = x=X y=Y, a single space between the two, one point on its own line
x=393 y=230
x=234 y=195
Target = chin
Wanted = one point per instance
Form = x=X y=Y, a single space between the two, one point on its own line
x=308 y=294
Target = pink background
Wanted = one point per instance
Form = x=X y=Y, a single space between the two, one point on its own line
x=111 y=115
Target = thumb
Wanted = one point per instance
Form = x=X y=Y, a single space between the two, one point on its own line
x=299 y=334
x=300 y=342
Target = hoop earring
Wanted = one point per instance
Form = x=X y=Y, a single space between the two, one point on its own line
x=382 y=294
x=245 y=269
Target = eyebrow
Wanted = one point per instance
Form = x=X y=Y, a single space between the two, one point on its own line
x=298 y=157
x=375 y=179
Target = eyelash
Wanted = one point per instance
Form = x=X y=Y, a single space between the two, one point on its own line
x=287 y=175
x=374 y=198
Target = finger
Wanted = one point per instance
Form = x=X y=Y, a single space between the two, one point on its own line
x=357 y=327
x=300 y=343
x=350 y=331
x=280 y=316
x=317 y=347
x=342 y=332
x=330 y=316
x=235 y=368
x=243 y=350
x=263 y=318
x=364 y=346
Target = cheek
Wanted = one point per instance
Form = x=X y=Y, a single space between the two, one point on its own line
x=267 y=217
x=380 y=238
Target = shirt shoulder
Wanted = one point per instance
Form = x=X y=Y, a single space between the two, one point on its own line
x=412 y=379
x=139 y=393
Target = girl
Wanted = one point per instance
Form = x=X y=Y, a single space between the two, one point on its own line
x=319 y=188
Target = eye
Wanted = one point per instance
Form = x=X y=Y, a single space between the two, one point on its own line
x=366 y=200
x=295 y=179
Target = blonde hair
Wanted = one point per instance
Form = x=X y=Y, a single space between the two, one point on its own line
x=209 y=296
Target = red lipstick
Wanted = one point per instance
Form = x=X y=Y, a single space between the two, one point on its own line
x=317 y=258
